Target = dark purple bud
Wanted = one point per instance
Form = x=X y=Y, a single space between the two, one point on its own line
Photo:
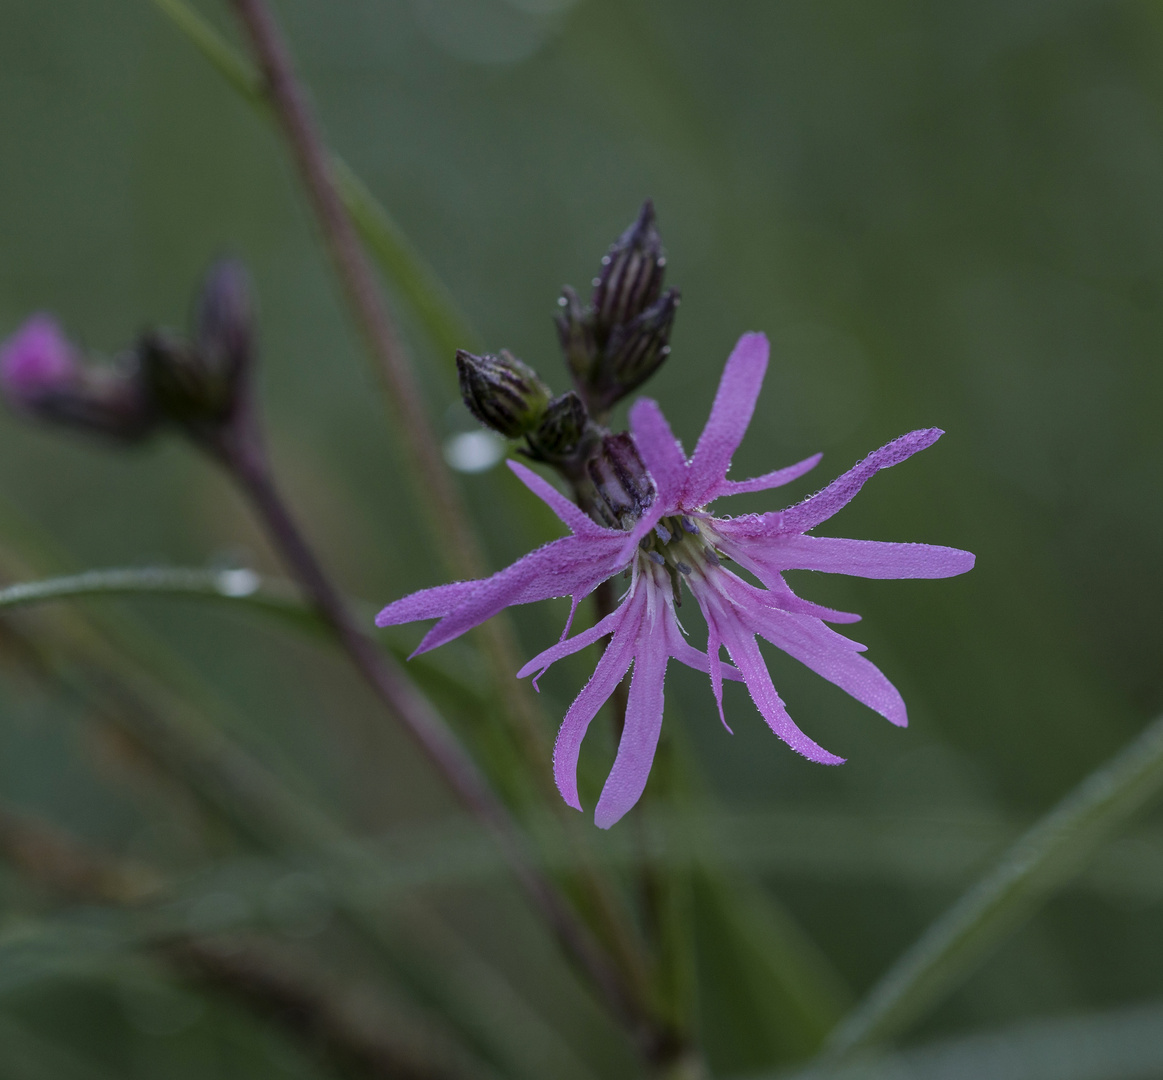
x=224 y=323
x=181 y=385
x=562 y=428
x=502 y=392
x=617 y=341
x=576 y=333
x=620 y=478
x=631 y=276
x=41 y=375
x=200 y=385
x=636 y=350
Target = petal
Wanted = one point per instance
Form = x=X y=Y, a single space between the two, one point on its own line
x=768 y=480
x=744 y=651
x=870 y=558
x=570 y=513
x=750 y=602
x=427 y=603
x=831 y=656
x=614 y=663
x=661 y=451
x=841 y=491
x=753 y=556
x=627 y=779
x=714 y=664
x=579 y=641
x=571 y=566
x=687 y=654
x=658 y=510
x=730 y=415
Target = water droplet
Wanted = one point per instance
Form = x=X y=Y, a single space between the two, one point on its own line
x=241 y=582
x=473 y=451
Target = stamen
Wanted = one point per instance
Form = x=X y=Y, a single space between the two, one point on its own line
x=663 y=533
x=712 y=558
x=645 y=542
x=689 y=525
x=682 y=568
x=655 y=558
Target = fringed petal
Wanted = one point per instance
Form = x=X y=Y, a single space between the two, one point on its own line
x=841 y=491
x=768 y=480
x=627 y=779
x=730 y=414
x=570 y=513
x=614 y=663
x=427 y=603
x=661 y=451
x=868 y=558
x=572 y=566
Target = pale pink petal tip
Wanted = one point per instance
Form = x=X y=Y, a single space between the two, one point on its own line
x=37 y=359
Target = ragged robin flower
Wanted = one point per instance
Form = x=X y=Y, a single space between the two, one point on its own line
x=670 y=539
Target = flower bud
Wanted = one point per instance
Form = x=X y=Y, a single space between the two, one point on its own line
x=224 y=323
x=198 y=385
x=502 y=392
x=616 y=342
x=37 y=361
x=576 y=333
x=562 y=427
x=623 y=485
x=631 y=276
x=637 y=349
x=41 y=374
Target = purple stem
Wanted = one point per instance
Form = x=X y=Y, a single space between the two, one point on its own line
x=437 y=493
x=240 y=450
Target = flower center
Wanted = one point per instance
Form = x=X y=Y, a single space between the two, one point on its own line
x=682 y=544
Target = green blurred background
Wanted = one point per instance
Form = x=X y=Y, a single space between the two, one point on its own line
x=944 y=214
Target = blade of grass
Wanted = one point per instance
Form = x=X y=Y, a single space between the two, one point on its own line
x=1052 y=852
x=1118 y=1044
x=421 y=953
x=238 y=586
x=153 y=706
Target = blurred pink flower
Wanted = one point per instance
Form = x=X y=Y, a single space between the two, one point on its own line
x=676 y=539
x=37 y=360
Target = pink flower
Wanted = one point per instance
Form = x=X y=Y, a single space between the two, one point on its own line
x=36 y=361
x=675 y=539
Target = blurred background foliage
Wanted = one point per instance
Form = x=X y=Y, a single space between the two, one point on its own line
x=941 y=214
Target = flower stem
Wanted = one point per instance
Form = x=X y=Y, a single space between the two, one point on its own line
x=436 y=493
x=358 y=280
x=240 y=450
x=434 y=488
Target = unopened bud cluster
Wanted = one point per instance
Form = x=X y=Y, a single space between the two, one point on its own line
x=611 y=345
x=617 y=341
x=196 y=384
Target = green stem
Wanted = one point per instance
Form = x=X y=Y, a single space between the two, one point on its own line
x=244 y=586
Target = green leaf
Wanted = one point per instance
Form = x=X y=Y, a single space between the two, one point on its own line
x=1051 y=853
